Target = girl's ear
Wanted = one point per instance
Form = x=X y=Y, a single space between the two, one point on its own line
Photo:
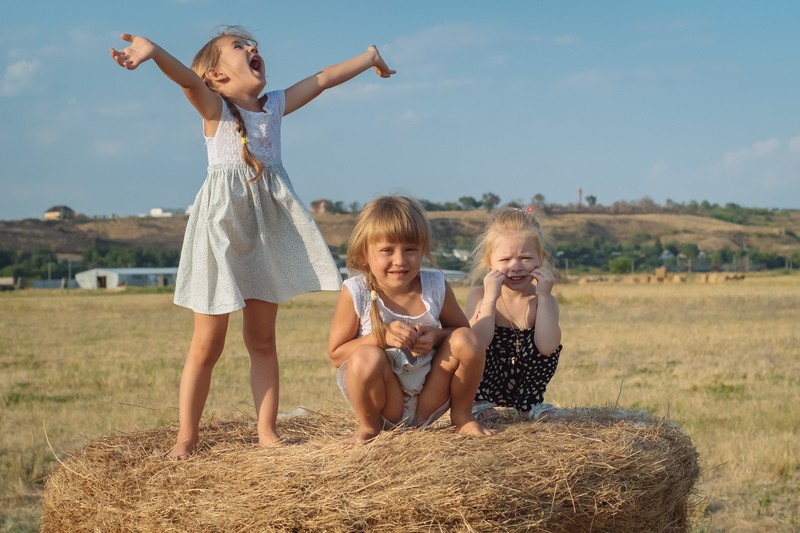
x=216 y=76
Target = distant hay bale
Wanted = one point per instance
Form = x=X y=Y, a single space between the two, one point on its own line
x=594 y=469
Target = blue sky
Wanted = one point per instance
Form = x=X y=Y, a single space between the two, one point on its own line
x=679 y=100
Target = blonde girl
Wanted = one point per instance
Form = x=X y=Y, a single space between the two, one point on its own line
x=514 y=314
x=250 y=242
x=402 y=345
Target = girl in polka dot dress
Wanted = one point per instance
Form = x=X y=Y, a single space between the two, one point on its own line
x=515 y=315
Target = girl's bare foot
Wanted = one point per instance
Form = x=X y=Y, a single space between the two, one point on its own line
x=270 y=438
x=473 y=428
x=362 y=436
x=182 y=450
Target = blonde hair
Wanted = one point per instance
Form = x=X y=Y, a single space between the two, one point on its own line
x=392 y=218
x=208 y=58
x=509 y=220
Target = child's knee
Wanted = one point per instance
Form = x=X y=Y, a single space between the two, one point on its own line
x=466 y=345
x=366 y=362
x=260 y=342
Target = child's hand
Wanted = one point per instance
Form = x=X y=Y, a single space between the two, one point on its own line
x=544 y=280
x=378 y=64
x=401 y=335
x=140 y=50
x=426 y=340
x=492 y=285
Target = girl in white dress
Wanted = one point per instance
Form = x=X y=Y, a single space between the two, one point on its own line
x=250 y=242
x=402 y=344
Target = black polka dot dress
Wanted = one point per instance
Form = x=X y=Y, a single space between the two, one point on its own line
x=516 y=374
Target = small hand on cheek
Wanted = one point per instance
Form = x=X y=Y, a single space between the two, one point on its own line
x=544 y=279
x=492 y=283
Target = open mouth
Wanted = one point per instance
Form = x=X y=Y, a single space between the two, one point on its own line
x=255 y=63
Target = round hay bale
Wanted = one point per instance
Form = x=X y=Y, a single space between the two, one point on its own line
x=587 y=469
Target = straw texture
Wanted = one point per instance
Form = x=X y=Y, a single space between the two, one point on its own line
x=587 y=469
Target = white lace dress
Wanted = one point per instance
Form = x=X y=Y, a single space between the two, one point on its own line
x=250 y=240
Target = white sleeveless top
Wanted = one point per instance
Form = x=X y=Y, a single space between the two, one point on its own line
x=433 y=291
x=263 y=134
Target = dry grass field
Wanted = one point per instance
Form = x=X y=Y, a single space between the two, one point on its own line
x=722 y=360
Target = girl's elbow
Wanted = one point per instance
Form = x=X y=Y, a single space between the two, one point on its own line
x=335 y=357
x=550 y=348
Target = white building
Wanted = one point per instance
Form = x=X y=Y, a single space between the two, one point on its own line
x=111 y=278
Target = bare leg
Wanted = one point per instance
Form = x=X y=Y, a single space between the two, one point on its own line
x=455 y=373
x=259 y=338
x=205 y=349
x=373 y=391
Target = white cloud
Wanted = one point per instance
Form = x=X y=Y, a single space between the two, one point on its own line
x=586 y=79
x=628 y=78
x=499 y=60
x=374 y=90
x=736 y=158
x=435 y=41
x=764 y=148
x=659 y=170
x=567 y=40
x=794 y=144
x=673 y=25
x=47 y=136
x=108 y=148
x=18 y=76
x=411 y=117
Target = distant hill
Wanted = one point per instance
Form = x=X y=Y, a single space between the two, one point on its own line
x=779 y=235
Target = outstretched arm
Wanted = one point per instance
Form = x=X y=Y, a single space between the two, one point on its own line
x=306 y=90
x=141 y=49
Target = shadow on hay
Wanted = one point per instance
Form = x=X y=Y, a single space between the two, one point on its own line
x=590 y=469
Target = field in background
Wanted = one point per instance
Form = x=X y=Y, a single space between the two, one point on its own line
x=722 y=360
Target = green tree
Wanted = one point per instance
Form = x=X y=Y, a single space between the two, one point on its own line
x=690 y=250
x=469 y=203
x=490 y=201
x=620 y=265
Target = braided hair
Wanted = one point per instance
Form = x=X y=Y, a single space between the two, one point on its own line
x=206 y=59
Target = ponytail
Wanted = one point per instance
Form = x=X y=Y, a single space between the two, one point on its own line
x=378 y=327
